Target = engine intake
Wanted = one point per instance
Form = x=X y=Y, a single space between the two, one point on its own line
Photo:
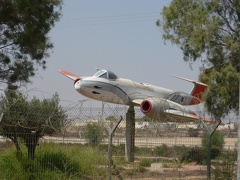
x=146 y=106
x=76 y=80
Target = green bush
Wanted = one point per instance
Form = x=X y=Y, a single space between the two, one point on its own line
x=217 y=140
x=172 y=152
x=226 y=169
x=161 y=150
x=195 y=154
x=93 y=133
x=217 y=143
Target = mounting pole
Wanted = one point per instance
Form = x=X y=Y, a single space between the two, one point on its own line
x=130 y=134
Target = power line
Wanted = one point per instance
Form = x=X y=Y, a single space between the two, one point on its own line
x=117 y=19
x=115 y=16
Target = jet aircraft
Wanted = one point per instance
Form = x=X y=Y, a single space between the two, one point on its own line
x=155 y=102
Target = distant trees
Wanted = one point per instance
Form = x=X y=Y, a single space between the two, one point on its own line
x=24 y=41
x=29 y=120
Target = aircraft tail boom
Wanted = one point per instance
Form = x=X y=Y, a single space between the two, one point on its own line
x=197 y=91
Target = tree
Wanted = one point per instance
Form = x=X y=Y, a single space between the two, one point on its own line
x=30 y=120
x=24 y=44
x=209 y=31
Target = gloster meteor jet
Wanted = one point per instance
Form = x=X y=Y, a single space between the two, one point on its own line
x=155 y=102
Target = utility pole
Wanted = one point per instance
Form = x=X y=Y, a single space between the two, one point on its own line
x=238 y=159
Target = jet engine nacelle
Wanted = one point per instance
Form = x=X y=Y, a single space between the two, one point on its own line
x=154 y=108
x=162 y=109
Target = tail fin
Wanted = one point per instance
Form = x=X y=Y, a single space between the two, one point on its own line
x=197 y=91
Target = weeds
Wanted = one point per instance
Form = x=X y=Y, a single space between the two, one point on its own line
x=145 y=162
x=53 y=163
x=76 y=161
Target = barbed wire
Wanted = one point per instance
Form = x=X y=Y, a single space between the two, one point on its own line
x=80 y=111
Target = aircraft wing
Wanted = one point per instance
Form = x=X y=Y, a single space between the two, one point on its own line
x=69 y=75
x=178 y=116
x=136 y=102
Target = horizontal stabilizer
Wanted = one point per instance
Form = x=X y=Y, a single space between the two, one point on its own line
x=189 y=80
x=136 y=102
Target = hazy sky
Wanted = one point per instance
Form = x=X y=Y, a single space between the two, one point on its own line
x=120 y=36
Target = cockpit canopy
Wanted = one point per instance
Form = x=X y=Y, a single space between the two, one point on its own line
x=106 y=74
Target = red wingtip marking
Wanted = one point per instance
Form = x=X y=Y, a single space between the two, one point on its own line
x=68 y=74
x=204 y=119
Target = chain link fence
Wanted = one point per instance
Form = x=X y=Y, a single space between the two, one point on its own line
x=88 y=142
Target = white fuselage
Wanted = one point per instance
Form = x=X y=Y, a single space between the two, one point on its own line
x=128 y=92
x=155 y=102
x=119 y=91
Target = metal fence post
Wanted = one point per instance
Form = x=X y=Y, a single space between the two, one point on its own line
x=209 y=145
x=110 y=161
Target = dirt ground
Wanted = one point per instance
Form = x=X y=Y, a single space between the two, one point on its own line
x=157 y=171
